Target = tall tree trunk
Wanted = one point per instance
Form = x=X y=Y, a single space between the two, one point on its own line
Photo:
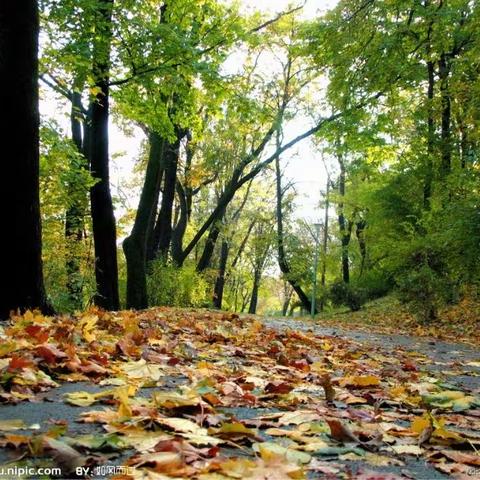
x=344 y=225
x=103 y=218
x=446 y=142
x=21 y=251
x=427 y=189
x=282 y=258
x=74 y=216
x=135 y=245
x=220 y=280
x=323 y=278
x=162 y=234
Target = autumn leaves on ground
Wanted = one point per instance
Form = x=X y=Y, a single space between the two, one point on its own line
x=208 y=395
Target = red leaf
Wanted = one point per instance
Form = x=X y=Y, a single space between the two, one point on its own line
x=37 y=333
x=17 y=363
x=50 y=353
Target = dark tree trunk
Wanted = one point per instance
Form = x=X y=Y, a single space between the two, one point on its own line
x=74 y=216
x=135 y=246
x=427 y=189
x=181 y=226
x=206 y=257
x=103 y=218
x=344 y=225
x=446 y=143
x=252 y=309
x=21 y=239
x=162 y=234
x=464 y=144
x=282 y=258
x=220 y=280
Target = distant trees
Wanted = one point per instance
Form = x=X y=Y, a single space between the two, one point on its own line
x=407 y=165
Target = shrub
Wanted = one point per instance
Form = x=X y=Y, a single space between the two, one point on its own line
x=169 y=285
x=352 y=296
x=374 y=284
x=424 y=284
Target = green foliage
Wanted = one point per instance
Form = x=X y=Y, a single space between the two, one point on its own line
x=424 y=284
x=352 y=296
x=374 y=283
x=63 y=182
x=173 y=286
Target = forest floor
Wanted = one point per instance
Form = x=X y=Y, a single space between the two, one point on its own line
x=169 y=393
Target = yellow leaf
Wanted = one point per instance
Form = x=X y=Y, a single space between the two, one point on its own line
x=407 y=449
x=360 y=381
x=87 y=326
x=12 y=425
x=80 y=399
x=121 y=394
x=419 y=424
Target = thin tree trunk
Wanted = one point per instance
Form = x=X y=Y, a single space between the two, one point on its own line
x=220 y=280
x=344 y=225
x=464 y=147
x=181 y=226
x=446 y=144
x=362 y=244
x=427 y=189
x=242 y=246
x=103 y=218
x=21 y=239
x=287 y=292
x=252 y=309
x=325 y=244
x=135 y=246
x=206 y=258
x=163 y=228
x=74 y=216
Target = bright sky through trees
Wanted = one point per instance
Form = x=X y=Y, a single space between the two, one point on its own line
x=303 y=164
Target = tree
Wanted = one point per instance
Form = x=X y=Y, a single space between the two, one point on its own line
x=103 y=218
x=22 y=248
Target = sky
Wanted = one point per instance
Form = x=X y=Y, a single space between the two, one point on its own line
x=302 y=164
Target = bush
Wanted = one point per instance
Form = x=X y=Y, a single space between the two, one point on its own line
x=374 y=284
x=352 y=296
x=424 y=284
x=169 y=285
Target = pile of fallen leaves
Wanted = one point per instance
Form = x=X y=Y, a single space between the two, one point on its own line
x=249 y=402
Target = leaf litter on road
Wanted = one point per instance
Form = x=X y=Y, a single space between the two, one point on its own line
x=334 y=403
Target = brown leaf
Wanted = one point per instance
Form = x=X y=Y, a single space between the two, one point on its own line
x=341 y=432
x=278 y=387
